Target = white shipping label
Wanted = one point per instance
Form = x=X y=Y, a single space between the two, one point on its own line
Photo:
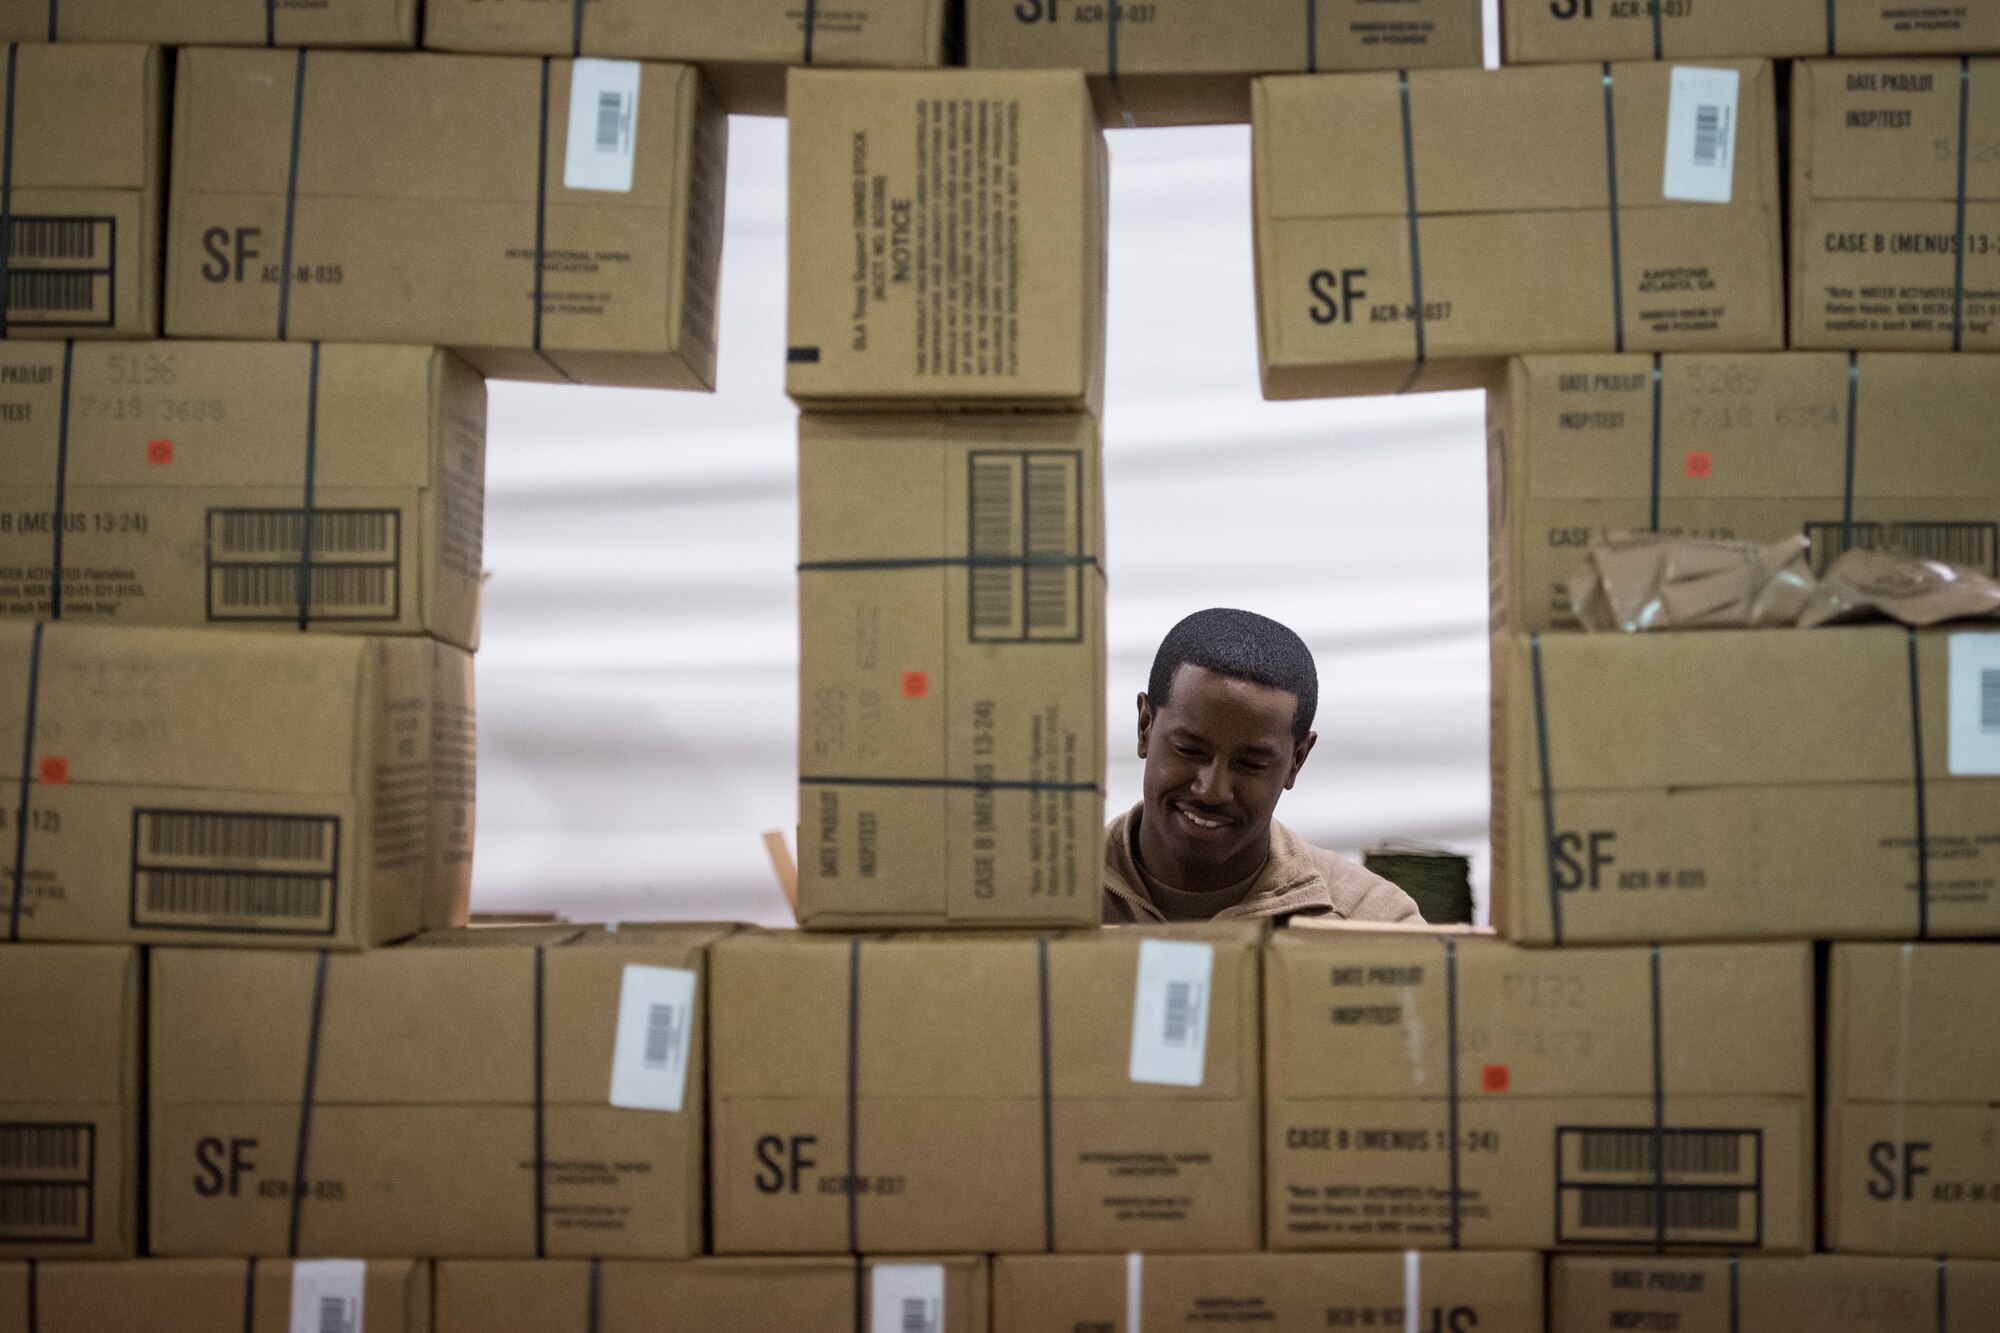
x=1975 y=705
x=603 y=125
x=1701 y=134
x=327 y=1295
x=649 y=1060
x=906 y=1298
x=1170 y=1012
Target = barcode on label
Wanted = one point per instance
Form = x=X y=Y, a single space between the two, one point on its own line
x=1180 y=1013
x=254 y=557
x=277 y=874
x=336 y=590
x=225 y=837
x=59 y=270
x=44 y=1210
x=43 y=1148
x=663 y=1036
x=1701 y=135
x=332 y=1315
x=1170 y=1012
x=51 y=238
x=1631 y=1208
x=917 y=1316
x=906 y=1298
x=50 y=291
x=1024 y=539
x=603 y=125
x=614 y=123
x=1973 y=545
x=209 y=894
x=1687 y=1152
x=277 y=532
x=653 y=1037
x=327 y=1295
x=1708 y=134
x=47 y=1175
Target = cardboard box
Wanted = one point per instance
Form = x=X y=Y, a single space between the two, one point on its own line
x=213 y=22
x=714 y=1296
x=1913 y=1101
x=951 y=688
x=437 y=1078
x=1749 y=447
x=1426 y=1091
x=70 y=1080
x=1556 y=31
x=1537 y=204
x=85 y=137
x=186 y=469
x=1191 y=63
x=1824 y=1293
x=347 y=196
x=258 y=790
x=1489 y=1293
x=947 y=241
x=204 y=1295
x=743 y=47
x=977 y=1092
x=1744 y=784
x=1895 y=213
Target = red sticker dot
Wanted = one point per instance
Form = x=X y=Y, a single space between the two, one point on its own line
x=1493 y=1078
x=55 y=770
x=916 y=684
x=1700 y=464
x=159 y=452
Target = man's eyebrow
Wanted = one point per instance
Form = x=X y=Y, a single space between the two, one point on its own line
x=1182 y=734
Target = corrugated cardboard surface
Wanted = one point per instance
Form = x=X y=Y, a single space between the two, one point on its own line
x=197 y=1296
x=1554 y=31
x=1736 y=784
x=186 y=469
x=1540 y=1086
x=1510 y=179
x=1880 y=452
x=213 y=22
x=439 y=1076
x=85 y=130
x=911 y=1093
x=951 y=602
x=408 y=220
x=70 y=1089
x=263 y=790
x=1879 y=173
x=703 y=1296
x=1189 y=62
x=1913 y=1101
x=743 y=47
x=1456 y=1293
x=1823 y=1293
x=947 y=241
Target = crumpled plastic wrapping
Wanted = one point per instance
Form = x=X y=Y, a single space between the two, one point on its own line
x=1652 y=582
x=1868 y=585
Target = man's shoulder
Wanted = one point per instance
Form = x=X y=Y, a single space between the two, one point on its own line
x=1356 y=893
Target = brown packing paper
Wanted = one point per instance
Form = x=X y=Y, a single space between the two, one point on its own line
x=1738 y=784
x=405 y=220
x=947 y=241
x=1288 y=1293
x=1506 y=180
x=213 y=22
x=1189 y=62
x=709 y=1296
x=1872 y=585
x=186 y=469
x=974 y=1092
x=438 y=1077
x=1538 y=1089
x=206 y=1296
x=1555 y=31
x=951 y=693
x=1895 y=213
x=1876 y=452
x=1823 y=1293
x=85 y=138
x=1913 y=1101
x=201 y=786
x=70 y=1090
x=1649 y=582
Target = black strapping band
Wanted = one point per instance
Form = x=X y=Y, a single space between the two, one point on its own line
x=1659 y=1114
x=812 y=20
x=1312 y=36
x=576 y=29
x=1735 y=1297
x=1847 y=484
x=1943 y=1303
x=7 y=187
x=250 y=1295
x=1451 y=1074
x=853 y=1098
x=62 y=487
x=1048 y=1102
x=1611 y=176
x=1917 y=771
x=270 y=22
x=1958 y=253
x=306 y=512
x=592 y=1313
x=1832 y=30
x=1659 y=378
x=1416 y=246
x=1548 y=785
x=1111 y=40
x=34 y=1297
x=27 y=783
x=541 y=1115
x=963 y=784
x=55 y=7
x=950 y=562
x=292 y=195
x=860 y=1295
x=541 y=200
x=306 y=1105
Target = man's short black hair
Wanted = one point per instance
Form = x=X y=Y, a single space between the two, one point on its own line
x=1241 y=645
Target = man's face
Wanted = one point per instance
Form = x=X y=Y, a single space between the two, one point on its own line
x=1218 y=756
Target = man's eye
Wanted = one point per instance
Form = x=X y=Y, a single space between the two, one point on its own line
x=1187 y=752
x=1248 y=767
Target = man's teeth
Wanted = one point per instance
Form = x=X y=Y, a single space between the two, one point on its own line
x=1197 y=819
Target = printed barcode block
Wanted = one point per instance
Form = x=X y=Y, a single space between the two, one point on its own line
x=1024 y=540
x=1610 y=1181
x=224 y=870
x=663 y=1036
x=48 y=1174
x=1686 y=1151
x=917 y=1316
x=1973 y=545
x=32 y=1210
x=51 y=238
x=259 y=532
x=1989 y=701
x=59 y=270
x=50 y=291
x=254 y=558
x=31 y=1148
x=1635 y=1208
x=613 y=123
x=1707 y=134
x=1180 y=1013
x=232 y=837
x=333 y=1315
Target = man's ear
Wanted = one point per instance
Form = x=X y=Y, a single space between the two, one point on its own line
x=1299 y=753
x=1145 y=722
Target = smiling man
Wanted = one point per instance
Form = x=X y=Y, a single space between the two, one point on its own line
x=1225 y=725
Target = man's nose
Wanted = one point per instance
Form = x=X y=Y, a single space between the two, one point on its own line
x=1211 y=784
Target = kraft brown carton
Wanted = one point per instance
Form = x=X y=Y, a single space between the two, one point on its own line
x=1745 y=784
x=744 y=48
x=1895 y=213
x=204 y=1295
x=568 y=232
x=951 y=692
x=1087 y=1092
x=213 y=22
x=84 y=131
x=70 y=1091
x=1190 y=62
x=183 y=473
x=224 y=788
x=1288 y=1293
x=1913 y=1101
x=715 y=1296
x=1876 y=452
x=1413 y=229
x=1824 y=1293
x=1426 y=1091
x=1546 y=31
x=438 y=1080
x=946 y=241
